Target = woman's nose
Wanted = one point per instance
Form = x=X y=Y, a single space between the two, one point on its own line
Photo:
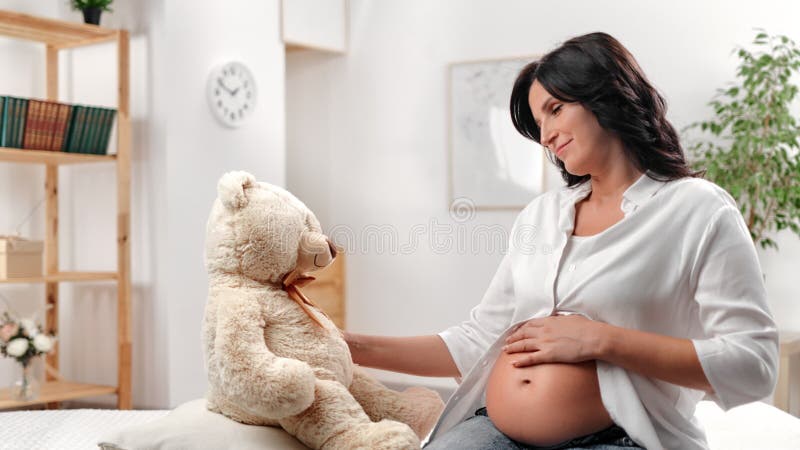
x=548 y=138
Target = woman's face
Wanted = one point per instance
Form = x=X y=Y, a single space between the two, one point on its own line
x=572 y=133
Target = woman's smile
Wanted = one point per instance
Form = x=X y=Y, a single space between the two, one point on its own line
x=563 y=147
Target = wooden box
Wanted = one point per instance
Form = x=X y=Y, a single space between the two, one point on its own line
x=327 y=291
x=20 y=258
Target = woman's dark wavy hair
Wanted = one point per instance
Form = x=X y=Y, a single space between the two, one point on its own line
x=598 y=72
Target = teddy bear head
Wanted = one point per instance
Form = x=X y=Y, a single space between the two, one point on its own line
x=262 y=232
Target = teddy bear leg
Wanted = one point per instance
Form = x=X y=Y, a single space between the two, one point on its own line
x=417 y=407
x=336 y=421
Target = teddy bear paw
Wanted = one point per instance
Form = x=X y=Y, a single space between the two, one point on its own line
x=286 y=395
x=296 y=387
x=423 y=395
x=429 y=406
x=383 y=435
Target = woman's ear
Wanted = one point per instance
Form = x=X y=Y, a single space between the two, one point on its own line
x=231 y=189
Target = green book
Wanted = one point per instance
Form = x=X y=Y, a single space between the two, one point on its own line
x=22 y=113
x=2 y=121
x=88 y=130
x=94 y=145
x=101 y=123
x=77 y=129
x=108 y=125
x=11 y=122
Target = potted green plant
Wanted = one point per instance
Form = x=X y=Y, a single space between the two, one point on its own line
x=751 y=147
x=91 y=9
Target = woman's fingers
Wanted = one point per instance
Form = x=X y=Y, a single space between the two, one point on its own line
x=529 y=359
x=526 y=330
x=524 y=345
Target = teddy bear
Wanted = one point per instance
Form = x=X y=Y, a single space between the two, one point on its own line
x=271 y=356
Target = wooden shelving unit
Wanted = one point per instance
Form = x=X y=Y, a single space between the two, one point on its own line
x=57 y=35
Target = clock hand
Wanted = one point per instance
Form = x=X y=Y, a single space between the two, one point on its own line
x=235 y=91
x=224 y=87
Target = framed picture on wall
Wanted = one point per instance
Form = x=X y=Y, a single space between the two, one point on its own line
x=491 y=165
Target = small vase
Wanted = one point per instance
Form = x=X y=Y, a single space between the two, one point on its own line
x=92 y=15
x=27 y=384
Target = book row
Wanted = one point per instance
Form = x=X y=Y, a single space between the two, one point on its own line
x=45 y=125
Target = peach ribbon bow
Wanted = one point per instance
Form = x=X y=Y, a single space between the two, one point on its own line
x=291 y=283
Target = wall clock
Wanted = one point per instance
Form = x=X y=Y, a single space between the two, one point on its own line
x=231 y=93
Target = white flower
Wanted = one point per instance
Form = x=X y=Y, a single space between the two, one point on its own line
x=42 y=343
x=29 y=327
x=17 y=347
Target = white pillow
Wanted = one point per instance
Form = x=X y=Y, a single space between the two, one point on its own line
x=192 y=426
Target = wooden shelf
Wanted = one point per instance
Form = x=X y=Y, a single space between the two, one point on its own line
x=56 y=33
x=56 y=391
x=19 y=155
x=64 y=276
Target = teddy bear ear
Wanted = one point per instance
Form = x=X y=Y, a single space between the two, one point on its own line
x=231 y=189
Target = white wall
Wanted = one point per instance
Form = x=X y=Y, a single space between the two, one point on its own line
x=378 y=117
x=179 y=152
x=201 y=35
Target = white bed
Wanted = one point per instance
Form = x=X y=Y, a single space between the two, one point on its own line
x=66 y=429
x=752 y=427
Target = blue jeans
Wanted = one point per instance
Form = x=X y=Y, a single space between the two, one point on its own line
x=479 y=433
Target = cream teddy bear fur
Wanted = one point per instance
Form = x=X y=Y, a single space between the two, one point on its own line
x=269 y=362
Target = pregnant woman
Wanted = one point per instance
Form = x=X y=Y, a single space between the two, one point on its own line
x=625 y=296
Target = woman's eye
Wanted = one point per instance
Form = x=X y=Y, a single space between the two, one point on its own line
x=556 y=109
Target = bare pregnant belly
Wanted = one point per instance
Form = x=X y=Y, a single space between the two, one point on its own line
x=545 y=404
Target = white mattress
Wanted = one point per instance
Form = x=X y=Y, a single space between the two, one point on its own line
x=749 y=427
x=65 y=429
x=754 y=426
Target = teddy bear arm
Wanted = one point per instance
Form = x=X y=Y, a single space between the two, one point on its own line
x=252 y=376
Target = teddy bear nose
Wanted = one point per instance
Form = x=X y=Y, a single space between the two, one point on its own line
x=332 y=248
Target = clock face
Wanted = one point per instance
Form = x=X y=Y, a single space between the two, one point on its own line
x=232 y=93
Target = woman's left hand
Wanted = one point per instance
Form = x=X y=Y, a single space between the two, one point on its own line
x=554 y=339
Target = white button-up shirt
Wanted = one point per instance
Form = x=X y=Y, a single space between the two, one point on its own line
x=680 y=263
